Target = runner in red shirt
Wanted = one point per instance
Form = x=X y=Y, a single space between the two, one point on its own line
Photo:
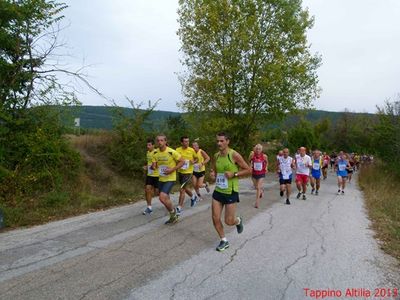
x=259 y=165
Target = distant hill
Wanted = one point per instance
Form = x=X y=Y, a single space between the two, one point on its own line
x=100 y=117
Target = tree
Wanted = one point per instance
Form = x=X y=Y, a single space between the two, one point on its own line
x=34 y=156
x=247 y=60
x=387 y=134
x=302 y=135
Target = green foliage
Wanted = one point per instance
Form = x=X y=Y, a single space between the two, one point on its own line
x=35 y=160
x=302 y=135
x=387 y=135
x=176 y=127
x=248 y=60
x=36 y=157
x=127 y=150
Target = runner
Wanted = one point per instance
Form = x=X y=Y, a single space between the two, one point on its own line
x=185 y=173
x=341 y=171
x=167 y=161
x=228 y=165
x=350 y=169
x=325 y=163
x=199 y=170
x=151 y=185
x=316 y=172
x=285 y=165
x=333 y=160
x=259 y=166
x=303 y=165
x=279 y=155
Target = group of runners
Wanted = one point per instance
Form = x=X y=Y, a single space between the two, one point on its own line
x=165 y=165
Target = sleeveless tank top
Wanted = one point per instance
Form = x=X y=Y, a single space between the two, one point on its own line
x=223 y=164
x=258 y=164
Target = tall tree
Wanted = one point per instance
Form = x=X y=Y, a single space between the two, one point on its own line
x=246 y=60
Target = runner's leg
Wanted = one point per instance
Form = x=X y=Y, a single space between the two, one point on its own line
x=216 y=210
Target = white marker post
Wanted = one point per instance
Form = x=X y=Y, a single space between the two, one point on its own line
x=78 y=124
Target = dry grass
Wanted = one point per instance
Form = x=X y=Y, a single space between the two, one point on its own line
x=382 y=194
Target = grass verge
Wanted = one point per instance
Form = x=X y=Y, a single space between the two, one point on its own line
x=382 y=195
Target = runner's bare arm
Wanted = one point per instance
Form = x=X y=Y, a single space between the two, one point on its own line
x=266 y=162
x=206 y=157
x=245 y=169
x=179 y=164
x=213 y=170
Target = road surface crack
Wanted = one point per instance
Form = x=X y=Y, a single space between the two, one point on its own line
x=287 y=268
x=181 y=282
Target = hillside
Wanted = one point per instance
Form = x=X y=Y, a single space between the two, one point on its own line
x=100 y=117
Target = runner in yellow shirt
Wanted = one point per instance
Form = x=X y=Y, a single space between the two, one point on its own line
x=167 y=161
x=151 y=186
x=185 y=173
x=199 y=170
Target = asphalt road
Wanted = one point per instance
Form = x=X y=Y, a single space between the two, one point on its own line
x=323 y=244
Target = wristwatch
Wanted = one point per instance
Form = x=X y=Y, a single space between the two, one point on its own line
x=235 y=174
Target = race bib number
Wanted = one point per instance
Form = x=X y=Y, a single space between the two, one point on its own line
x=286 y=172
x=316 y=166
x=196 y=168
x=301 y=164
x=150 y=171
x=342 y=167
x=258 y=166
x=185 y=166
x=221 y=181
x=161 y=170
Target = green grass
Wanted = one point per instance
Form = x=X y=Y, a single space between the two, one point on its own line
x=382 y=194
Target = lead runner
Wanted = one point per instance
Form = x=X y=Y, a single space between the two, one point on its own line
x=228 y=165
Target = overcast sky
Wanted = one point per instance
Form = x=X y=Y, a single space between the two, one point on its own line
x=133 y=50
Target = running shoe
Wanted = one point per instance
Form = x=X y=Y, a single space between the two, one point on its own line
x=178 y=211
x=316 y=193
x=338 y=192
x=173 y=218
x=312 y=191
x=222 y=246
x=287 y=202
x=239 y=227
x=342 y=192
x=147 y=211
x=281 y=193
x=193 y=201
x=207 y=187
x=304 y=197
x=298 y=195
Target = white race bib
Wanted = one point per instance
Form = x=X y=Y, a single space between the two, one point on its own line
x=221 y=181
x=185 y=166
x=286 y=174
x=150 y=171
x=316 y=166
x=196 y=168
x=342 y=167
x=161 y=170
x=258 y=166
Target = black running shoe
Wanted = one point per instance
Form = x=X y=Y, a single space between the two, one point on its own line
x=287 y=202
x=222 y=246
x=239 y=227
x=281 y=193
x=298 y=195
x=304 y=197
